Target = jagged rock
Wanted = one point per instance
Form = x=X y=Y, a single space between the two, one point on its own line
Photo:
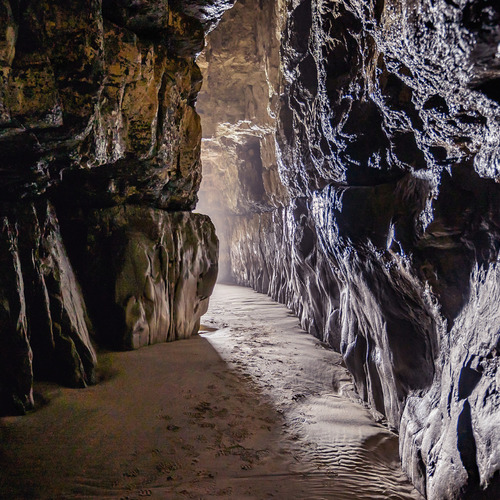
x=452 y=431
x=388 y=146
x=16 y=373
x=209 y=12
x=96 y=110
x=45 y=326
x=102 y=101
x=147 y=274
x=381 y=230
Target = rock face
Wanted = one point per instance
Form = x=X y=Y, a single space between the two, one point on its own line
x=238 y=103
x=352 y=164
x=96 y=114
x=147 y=273
x=384 y=234
x=45 y=326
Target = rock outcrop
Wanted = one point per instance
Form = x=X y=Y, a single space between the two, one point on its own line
x=97 y=120
x=238 y=103
x=385 y=237
x=147 y=273
x=45 y=326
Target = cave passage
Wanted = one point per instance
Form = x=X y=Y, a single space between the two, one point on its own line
x=351 y=159
x=245 y=410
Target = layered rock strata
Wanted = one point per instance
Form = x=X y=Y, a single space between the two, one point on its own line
x=388 y=148
x=97 y=111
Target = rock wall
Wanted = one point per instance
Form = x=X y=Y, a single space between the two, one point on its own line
x=147 y=273
x=238 y=103
x=39 y=290
x=385 y=241
x=97 y=122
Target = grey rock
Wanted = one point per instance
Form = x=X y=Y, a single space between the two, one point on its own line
x=387 y=145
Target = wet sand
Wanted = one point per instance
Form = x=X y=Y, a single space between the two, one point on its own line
x=246 y=410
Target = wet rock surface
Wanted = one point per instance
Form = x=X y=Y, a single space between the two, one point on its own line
x=386 y=240
x=97 y=111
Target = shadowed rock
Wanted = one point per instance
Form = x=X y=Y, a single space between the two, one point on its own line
x=147 y=274
x=97 y=111
x=44 y=318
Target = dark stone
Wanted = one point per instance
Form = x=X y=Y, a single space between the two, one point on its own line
x=97 y=111
x=387 y=139
x=44 y=318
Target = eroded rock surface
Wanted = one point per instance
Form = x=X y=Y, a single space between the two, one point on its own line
x=45 y=326
x=238 y=103
x=97 y=111
x=147 y=273
x=386 y=239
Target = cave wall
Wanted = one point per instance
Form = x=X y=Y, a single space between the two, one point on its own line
x=384 y=237
x=99 y=167
x=238 y=103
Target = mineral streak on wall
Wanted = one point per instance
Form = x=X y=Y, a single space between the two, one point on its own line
x=99 y=168
x=374 y=210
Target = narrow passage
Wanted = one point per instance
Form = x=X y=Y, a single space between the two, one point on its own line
x=340 y=451
x=246 y=410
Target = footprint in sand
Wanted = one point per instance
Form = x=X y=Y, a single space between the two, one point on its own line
x=132 y=473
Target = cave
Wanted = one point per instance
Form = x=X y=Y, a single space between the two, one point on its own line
x=339 y=157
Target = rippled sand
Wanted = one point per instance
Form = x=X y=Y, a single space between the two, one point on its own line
x=342 y=452
x=244 y=411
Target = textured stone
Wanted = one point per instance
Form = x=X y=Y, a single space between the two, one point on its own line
x=101 y=101
x=147 y=274
x=456 y=421
x=16 y=372
x=387 y=134
x=96 y=110
x=238 y=104
x=45 y=325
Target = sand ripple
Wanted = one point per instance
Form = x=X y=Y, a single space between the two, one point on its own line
x=341 y=451
x=246 y=411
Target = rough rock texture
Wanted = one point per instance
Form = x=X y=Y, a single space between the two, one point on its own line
x=147 y=274
x=96 y=111
x=388 y=146
x=238 y=103
x=45 y=327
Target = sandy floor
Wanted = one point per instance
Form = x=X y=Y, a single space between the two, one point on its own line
x=244 y=411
